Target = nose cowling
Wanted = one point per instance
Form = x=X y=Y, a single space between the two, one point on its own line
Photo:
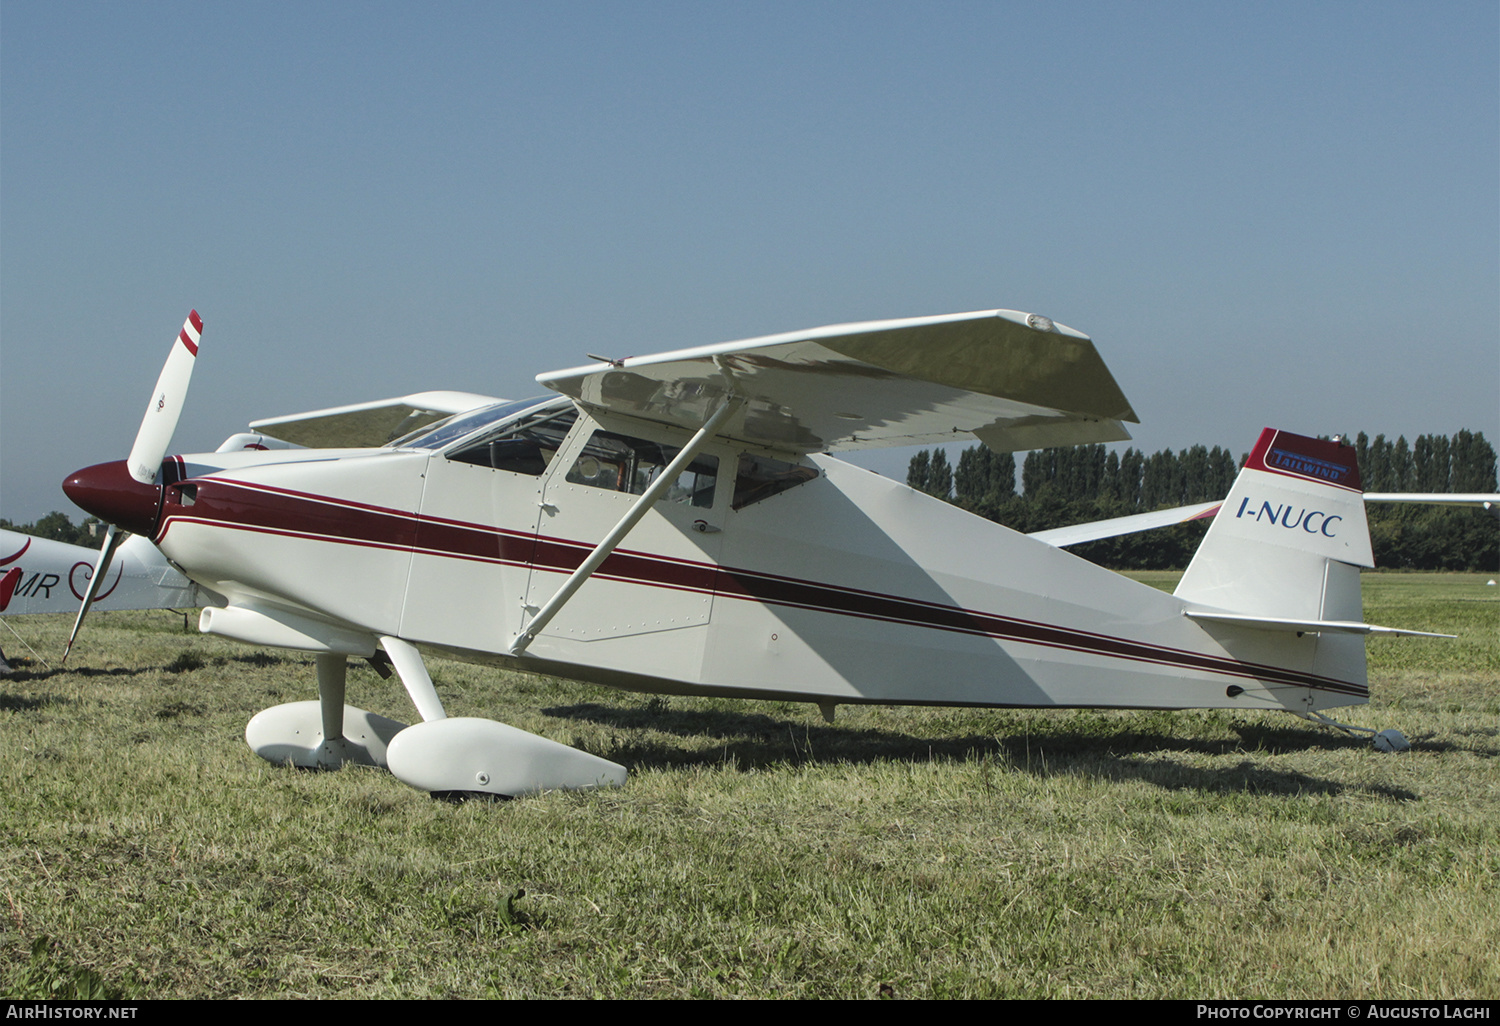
x=109 y=492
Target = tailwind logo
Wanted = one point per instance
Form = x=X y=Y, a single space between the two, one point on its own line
x=1306 y=466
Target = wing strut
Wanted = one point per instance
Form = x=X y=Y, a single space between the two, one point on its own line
x=638 y=509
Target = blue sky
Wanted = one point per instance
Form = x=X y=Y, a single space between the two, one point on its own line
x=1277 y=214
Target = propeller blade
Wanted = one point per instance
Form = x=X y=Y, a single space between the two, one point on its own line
x=101 y=489
x=166 y=404
x=112 y=539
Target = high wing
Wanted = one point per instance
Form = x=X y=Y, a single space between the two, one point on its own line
x=1014 y=380
x=368 y=425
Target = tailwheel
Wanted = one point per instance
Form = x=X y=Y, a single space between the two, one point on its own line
x=1389 y=740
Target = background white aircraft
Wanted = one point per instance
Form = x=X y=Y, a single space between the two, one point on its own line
x=45 y=576
x=38 y=575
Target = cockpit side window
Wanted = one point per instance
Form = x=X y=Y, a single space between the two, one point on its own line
x=621 y=463
x=450 y=429
x=760 y=477
x=524 y=447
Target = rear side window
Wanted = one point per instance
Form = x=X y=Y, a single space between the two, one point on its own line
x=621 y=463
x=760 y=477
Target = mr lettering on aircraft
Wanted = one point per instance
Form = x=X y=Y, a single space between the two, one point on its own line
x=38 y=584
x=1312 y=521
x=15 y=582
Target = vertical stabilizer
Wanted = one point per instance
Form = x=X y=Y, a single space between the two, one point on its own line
x=1290 y=537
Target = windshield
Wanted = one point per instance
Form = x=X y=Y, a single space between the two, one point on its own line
x=435 y=436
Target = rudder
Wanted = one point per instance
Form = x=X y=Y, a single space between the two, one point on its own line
x=1290 y=537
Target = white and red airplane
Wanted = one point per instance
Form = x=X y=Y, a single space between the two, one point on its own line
x=676 y=524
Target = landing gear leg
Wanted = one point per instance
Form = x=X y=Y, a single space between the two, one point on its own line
x=371 y=733
x=333 y=671
x=414 y=677
x=324 y=734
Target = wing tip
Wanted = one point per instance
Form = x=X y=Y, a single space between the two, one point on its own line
x=192 y=331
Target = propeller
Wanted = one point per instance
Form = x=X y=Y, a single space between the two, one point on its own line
x=111 y=496
x=160 y=421
x=112 y=539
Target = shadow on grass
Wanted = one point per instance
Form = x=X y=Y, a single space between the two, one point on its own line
x=1245 y=777
x=1119 y=751
x=20 y=703
x=263 y=659
x=184 y=662
x=22 y=676
x=179 y=709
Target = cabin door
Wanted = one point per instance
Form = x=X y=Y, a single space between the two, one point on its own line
x=661 y=577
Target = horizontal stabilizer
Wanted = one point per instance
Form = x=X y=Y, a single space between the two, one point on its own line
x=1014 y=380
x=1134 y=524
x=1279 y=623
x=1486 y=500
x=1077 y=534
x=369 y=425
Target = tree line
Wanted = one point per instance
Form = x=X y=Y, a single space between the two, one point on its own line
x=1079 y=484
x=58 y=527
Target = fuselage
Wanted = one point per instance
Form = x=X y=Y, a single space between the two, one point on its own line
x=760 y=574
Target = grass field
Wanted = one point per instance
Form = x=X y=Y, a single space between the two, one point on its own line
x=757 y=851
